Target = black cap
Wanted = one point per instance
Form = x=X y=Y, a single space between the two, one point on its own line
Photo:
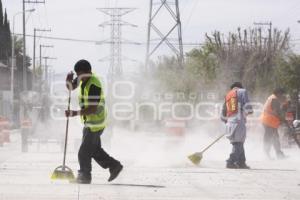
x=83 y=66
x=236 y=84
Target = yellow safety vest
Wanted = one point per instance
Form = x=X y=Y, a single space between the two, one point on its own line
x=97 y=121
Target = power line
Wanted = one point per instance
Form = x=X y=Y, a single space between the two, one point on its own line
x=191 y=13
x=98 y=41
x=62 y=38
x=105 y=41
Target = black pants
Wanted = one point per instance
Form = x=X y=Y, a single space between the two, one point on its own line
x=91 y=148
x=238 y=153
x=271 y=138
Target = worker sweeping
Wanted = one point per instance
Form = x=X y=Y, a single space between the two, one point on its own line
x=93 y=116
x=235 y=110
x=271 y=119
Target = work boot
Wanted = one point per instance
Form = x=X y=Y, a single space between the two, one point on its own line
x=83 y=178
x=242 y=166
x=114 y=172
x=231 y=165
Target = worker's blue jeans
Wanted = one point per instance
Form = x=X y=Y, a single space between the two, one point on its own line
x=91 y=148
x=238 y=153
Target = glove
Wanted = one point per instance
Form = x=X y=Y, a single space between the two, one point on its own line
x=70 y=76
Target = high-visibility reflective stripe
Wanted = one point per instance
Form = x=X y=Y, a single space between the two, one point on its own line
x=96 y=125
x=98 y=120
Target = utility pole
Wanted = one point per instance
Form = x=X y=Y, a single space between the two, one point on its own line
x=298 y=97
x=116 y=39
x=173 y=11
x=46 y=70
x=34 y=45
x=46 y=95
x=51 y=75
x=41 y=47
x=13 y=63
x=24 y=42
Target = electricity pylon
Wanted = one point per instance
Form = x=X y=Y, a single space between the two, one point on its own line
x=172 y=9
x=116 y=39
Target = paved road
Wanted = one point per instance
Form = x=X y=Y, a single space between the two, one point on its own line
x=26 y=176
x=10 y=149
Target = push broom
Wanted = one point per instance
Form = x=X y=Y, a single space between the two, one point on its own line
x=197 y=157
x=64 y=172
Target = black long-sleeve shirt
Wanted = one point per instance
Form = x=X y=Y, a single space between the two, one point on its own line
x=94 y=92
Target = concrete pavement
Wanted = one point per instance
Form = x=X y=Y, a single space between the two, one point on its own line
x=26 y=176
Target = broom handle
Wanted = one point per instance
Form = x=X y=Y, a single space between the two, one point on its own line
x=67 y=129
x=216 y=140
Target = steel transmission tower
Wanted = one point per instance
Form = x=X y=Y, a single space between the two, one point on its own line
x=116 y=39
x=172 y=9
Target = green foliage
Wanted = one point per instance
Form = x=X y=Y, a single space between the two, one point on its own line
x=288 y=72
x=5 y=35
x=1 y=14
x=203 y=64
x=172 y=77
x=19 y=53
x=244 y=56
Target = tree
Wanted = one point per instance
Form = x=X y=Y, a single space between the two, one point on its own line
x=1 y=14
x=174 y=79
x=2 y=34
x=248 y=57
x=19 y=60
x=7 y=35
x=203 y=64
x=244 y=56
x=288 y=74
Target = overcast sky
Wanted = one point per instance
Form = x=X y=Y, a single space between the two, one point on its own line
x=79 y=19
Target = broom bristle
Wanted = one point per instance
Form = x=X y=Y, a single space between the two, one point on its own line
x=195 y=158
x=62 y=175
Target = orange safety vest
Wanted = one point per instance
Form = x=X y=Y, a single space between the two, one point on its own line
x=268 y=117
x=231 y=100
